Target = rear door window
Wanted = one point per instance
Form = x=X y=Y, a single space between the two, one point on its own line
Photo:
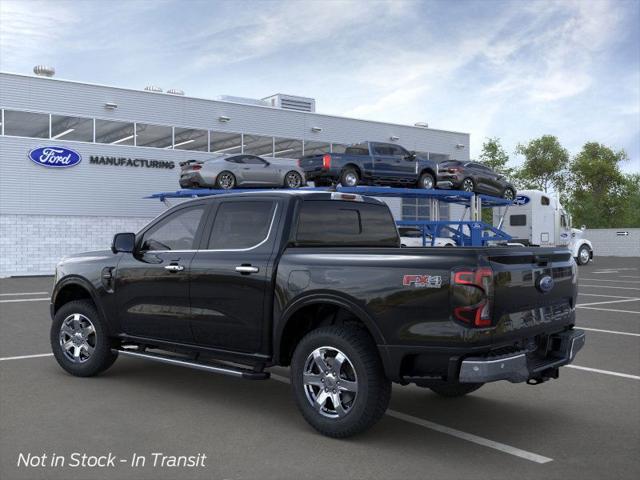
x=240 y=225
x=338 y=223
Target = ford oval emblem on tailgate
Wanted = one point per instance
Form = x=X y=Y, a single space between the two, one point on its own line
x=55 y=157
x=545 y=283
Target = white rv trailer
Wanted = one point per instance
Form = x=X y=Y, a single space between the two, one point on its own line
x=537 y=218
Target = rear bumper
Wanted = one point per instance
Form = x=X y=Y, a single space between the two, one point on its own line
x=192 y=179
x=523 y=366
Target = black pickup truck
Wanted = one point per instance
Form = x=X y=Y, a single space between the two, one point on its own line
x=371 y=163
x=238 y=283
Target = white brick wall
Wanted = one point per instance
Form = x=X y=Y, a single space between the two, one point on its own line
x=33 y=244
x=606 y=242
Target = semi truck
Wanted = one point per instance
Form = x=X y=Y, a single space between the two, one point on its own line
x=538 y=219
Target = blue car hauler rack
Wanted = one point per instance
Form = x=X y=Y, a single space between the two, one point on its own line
x=473 y=232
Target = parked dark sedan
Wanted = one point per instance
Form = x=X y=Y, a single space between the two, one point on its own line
x=474 y=177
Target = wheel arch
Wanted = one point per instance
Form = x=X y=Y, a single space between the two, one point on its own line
x=430 y=171
x=354 y=166
x=315 y=310
x=75 y=288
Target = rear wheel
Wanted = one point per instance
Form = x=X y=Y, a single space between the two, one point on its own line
x=426 y=181
x=508 y=194
x=225 y=180
x=584 y=255
x=293 y=179
x=79 y=340
x=455 y=389
x=468 y=185
x=349 y=178
x=338 y=381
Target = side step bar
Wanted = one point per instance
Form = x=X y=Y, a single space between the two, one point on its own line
x=226 y=370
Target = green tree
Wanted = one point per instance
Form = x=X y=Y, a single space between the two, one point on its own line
x=494 y=156
x=599 y=194
x=544 y=165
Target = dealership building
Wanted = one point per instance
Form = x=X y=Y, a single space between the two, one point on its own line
x=129 y=144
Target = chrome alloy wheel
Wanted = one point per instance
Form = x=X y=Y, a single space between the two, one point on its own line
x=584 y=255
x=77 y=338
x=467 y=185
x=293 y=180
x=226 y=181
x=427 y=182
x=330 y=382
x=508 y=194
x=351 y=179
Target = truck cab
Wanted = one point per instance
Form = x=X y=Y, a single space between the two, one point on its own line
x=538 y=219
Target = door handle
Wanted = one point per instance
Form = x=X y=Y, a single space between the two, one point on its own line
x=174 y=268
x=247 y=269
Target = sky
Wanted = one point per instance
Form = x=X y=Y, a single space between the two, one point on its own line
x=509 y=69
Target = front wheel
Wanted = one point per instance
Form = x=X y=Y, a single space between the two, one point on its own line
x=584 y=255
x=509 y=194
x=426 y=182
x=338 y=382
x=79 y=340
x=468 y=185
x=455 y=389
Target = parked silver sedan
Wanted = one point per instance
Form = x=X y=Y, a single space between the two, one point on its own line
x=230 y=171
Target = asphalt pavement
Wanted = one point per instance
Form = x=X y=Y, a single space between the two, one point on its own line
x=584 y=425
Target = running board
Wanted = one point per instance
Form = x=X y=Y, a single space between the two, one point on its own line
x=226 y=370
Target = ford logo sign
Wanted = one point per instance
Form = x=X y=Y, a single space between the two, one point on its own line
x=521 y=200
x=55 y=157
x=545 y=283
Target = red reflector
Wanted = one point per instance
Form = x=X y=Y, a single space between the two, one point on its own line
x=326 y=161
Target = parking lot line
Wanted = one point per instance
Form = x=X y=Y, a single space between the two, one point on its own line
x=606 y=372
x=610 y=286
x=609 y=310
x=469 y=437
x=600 y=295
x=22 y=293
x=610 y=331
x=632 y=299
x=23 y=357
x=613 y=281
x=15 y=300
x=629 y=276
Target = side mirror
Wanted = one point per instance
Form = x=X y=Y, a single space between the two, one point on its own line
x=123 y=242
x=411 y=156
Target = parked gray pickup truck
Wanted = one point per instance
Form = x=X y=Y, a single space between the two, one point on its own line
x=318 y=281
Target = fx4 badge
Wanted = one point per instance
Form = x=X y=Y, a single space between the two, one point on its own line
x=422 y=281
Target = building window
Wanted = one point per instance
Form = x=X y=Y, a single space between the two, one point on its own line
x=287 y=148
x=156 y=136
x=228 y=143
x=415 y=209
x=316 y=148
x=191 y=139
x=71 y=128
x=115 y=133
x=258 y=145
x=26 y=124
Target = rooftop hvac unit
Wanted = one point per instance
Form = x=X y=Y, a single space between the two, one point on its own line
x=44 y=71
x=175 y=91
x=244 y=100
x=153 y=88
x=291 y=102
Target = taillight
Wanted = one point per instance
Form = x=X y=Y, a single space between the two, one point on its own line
x=326 y=161
x=299 y=162
x=453 y=170
x=473 y=289
x=196 y=167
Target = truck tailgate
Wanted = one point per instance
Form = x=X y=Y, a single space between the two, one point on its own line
x=532 y=290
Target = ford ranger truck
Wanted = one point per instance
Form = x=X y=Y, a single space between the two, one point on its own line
x=371 y=163
x=318 y=282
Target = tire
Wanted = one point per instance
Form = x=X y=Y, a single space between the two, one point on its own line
x=455 y=389
x=509 y=194
x=426 y=181
x=360 y=368
x=75 y=318
x=293 y=180
x=349 y=177
x=468 y=185
x=225 y=180
x=584 y=255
